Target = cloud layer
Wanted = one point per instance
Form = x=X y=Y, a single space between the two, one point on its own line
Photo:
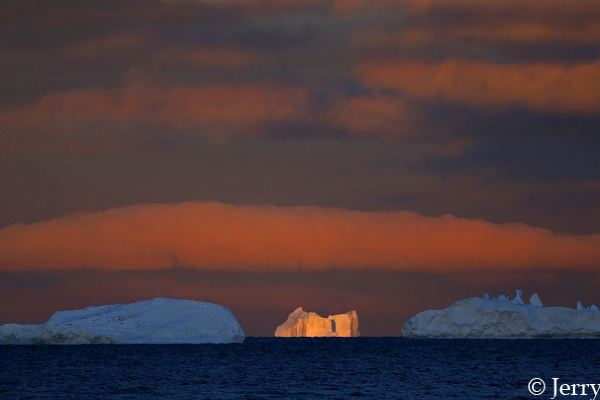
x=216 y=109
x=541 y=87
x=483 y=109
x=216 y=236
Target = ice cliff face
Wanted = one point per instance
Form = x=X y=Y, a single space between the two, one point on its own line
x=158 y=320
x=500 y=318
x=309 y=324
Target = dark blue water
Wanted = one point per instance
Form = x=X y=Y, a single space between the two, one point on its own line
x=298 y=369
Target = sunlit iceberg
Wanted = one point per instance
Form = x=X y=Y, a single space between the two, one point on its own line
x=157 y=321
x=309 y=324
x=486 y=318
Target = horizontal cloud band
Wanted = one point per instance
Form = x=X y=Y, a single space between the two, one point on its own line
x=217 y=236
x=541 y=87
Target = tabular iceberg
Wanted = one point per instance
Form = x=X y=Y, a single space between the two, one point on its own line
x=156 y=321
x=309 y=324
x=501 y=318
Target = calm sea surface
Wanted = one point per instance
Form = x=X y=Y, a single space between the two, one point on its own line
x=374 y=368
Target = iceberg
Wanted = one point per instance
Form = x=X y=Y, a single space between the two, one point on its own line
x=535 y=300
x=309 y=324
x=501 y=318
x=156 y=321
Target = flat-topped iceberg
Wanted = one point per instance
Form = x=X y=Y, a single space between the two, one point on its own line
x=156 y=321
x=309 y=324
x=501 y=318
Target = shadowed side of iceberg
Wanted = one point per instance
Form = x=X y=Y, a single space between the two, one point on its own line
x=501 y=318
x=156 y=321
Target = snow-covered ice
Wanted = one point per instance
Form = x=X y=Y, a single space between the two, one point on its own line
x=309 y=324
x=158 y=321
x=503 y=318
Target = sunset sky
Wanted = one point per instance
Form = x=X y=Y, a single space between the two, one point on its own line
x=387 y=156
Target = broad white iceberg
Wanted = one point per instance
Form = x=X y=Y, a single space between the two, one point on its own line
x=501 y=318
x=309 y=324
x=156 y=321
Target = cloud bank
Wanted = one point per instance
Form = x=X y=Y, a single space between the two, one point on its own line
x=216 y=236
x=541 y=87
x=218 y=109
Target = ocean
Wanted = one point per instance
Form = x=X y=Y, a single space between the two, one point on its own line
x=270 y=368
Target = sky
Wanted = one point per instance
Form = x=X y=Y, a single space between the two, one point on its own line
x=388 y=156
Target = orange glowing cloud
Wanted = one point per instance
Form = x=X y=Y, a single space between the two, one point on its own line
x=374 y=116
x=519 y=22
x=569 y=88
x=217 y=110
x=531 y=32
x=557 y=8
x=345 y=7
x=524 y=32
x=216 y=236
